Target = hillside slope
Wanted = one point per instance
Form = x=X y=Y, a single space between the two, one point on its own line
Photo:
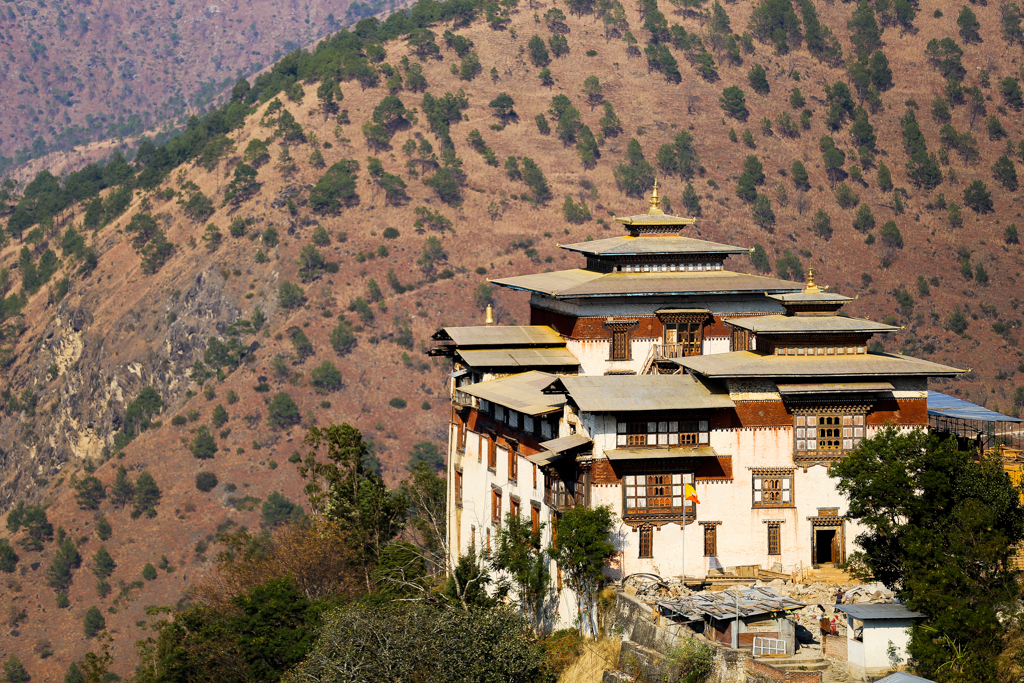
x=86 y=354
x=75 y=72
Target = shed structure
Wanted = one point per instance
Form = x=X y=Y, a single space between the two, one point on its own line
x=870 y=629
x=970 y=422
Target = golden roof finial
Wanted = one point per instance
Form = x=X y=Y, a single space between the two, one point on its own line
x=655 y=201
x=489 y=320
x=811 y=288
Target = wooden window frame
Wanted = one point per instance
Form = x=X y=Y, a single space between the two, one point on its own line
x=710 y=540
x=535 y=522
x=646 y=541
x=492 y=453
x=772 y=489
x=534 y=475
x=495 y=507
x=658 y=495
x=774 y=539
x=620 y=341
x=458 y=488
x=828 y=433
x=513 y=506
x=671 y=432
x=513 y=465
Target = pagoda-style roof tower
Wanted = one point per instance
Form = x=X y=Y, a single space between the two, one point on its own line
x=653 y=258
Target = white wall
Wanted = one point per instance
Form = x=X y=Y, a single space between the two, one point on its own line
x=871 y=655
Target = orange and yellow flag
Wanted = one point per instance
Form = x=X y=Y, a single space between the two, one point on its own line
x=690 y=493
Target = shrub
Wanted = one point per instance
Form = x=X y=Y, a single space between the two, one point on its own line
x=799 y=174
x=759 y=258
x=103 y=564
x=326 y=376
x=206 y=481
x=398 y=403
x=575 y=213
x=846 y=197
x=149 y=572
x=290 y=295
x=957 y=321
x=864 y=220
x=734 y=103
x=220 y=416
x=821 y=224
x=758 y=79
x=891 y=235
x=426 y=452
x=282 y=411
x=277 y=509
x=343 y=337
x=8 y=557
x=147 y=495
x=977 y=197
x=1010 y=235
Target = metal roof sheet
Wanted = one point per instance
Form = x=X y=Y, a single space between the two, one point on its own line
x=834 y=388
x=944 y=405
x=621 y=393
x=754 y=364
x=579 y=283
x=891 y=610
x=556 y=357
x=729 y=604
x=800 y=324
x=660 y=453
x=500 y=335
x=520 y=392
x=903 y=677
x=647 y=244
x=566 y=443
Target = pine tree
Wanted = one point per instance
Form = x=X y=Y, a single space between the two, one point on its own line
x=884 y=177
x=122 y=491
x=636 y=176
x=8 y=557
x=586 y=147
x=14 y=670
x=89 y=492
x=1005 y=172
x=94 y=622
x=147 y=495
x=66 y=558
x=734 y=103
x=862 y=132
x=968 y=23
x=690 y=199
x=799 y=173
x=102 y=563
x=865 y=34
x=103 y=530
x=745 y=188
x=759 y=257
x=758 y=79
x=762 y=212
x=821 y=224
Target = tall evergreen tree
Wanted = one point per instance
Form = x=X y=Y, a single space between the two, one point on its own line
x=865 y=34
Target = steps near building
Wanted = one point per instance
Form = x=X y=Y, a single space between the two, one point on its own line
x=796 y=663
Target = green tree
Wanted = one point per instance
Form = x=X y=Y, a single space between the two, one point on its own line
x=219 y=417
x=865 y=34
x=799 y=174
x=584 y=545
x=734 y=103
x=864 y=221
x=89 y=492
x=58 y=576
x=290 y=295
x=341 y=488
x=517 y=552
x=206 y=481
x=103 y=564
x=282 y=412
x=33 y=519
x=538 y=52
x=425 y=452
x=336 y=189
x=775 y=21
x=761 y=212
x=1011 y=91
x=8 y=557
x=149 y=572
x=147 y=496
x=503 y=107
x=884 y=177
x=759 y=259
x=14 y=670
x=977 y=197
x=277 y=509
x=968 y=23
x=326 y=377
x=636 y=175
x=535 y=180
x=931 y=510
x=343 y=338
x=94 y=622
x=122 y=491
x=1005 y=172
x=691 y=201
x=821 y=224
x=758 y=79
x=203 y=446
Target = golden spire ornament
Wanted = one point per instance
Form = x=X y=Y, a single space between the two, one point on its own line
x=655 y=209
x=811 y=288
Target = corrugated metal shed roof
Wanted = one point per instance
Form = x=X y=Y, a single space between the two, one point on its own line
x=891 y=610
x=481 y=358
x=579 y=283
x=519 y=392
x=834 y=388
x=659 y=453
x=800 y=324
x=751 y=602
x=903 y=677
x=944 y=405
x=669 y=244
x=500 y=335
x=753 y=364
x=622 y=393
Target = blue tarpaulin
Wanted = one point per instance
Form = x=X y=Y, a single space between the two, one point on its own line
x=943 y=405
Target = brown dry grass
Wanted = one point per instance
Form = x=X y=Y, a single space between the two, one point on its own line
x=595 y=657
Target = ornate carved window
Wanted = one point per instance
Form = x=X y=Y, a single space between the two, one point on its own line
x=621 y=349
x=772 y=488
x=710 y=538
x=665 y=433
x=656 y=496
x=828 y=433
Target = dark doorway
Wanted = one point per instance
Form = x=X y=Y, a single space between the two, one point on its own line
x=824 y=546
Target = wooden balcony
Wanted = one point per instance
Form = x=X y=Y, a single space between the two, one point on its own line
x=663 y=351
